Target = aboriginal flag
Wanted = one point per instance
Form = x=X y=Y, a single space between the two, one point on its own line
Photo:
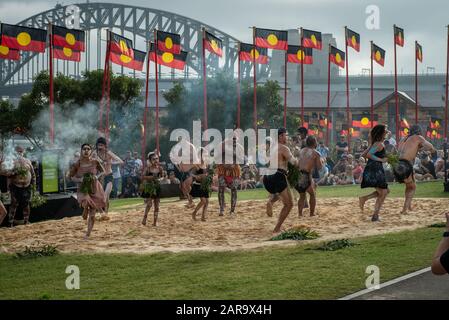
x=435 y=123
x=337 y=56
x=64 y=53
x=9 y=54
x=298 y=54
x=213 y=44
x=272 y=39
x=353 y=39
x=123 y=60
x=23 y=38
x=418 y=52
x=363 y=120
x=378 y=54
x=312 y=39
x=168 y=59
x=399 y=36
x=68 y=38
x=248 y=53
x=168 y=42
x=121 y=45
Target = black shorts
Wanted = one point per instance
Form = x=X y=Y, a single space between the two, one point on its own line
x=21 y=195
x=444 y=260
x=305 y=181
x=276 y=183
x=403 y=170
x=107 y=179
x=197 y=192
x=182 y=176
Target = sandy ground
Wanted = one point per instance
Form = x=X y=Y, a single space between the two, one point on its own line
x=250 y=228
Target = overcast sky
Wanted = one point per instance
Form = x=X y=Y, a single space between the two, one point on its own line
x=424 y=21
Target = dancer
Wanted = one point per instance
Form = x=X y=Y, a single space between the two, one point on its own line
x=86 y=172
x=151 y=187
x=309 y=160
x=183 y=168
x=3 y=211
x=107 y=158
x=408 y=149
x=23 y=182
x=199 y=173
x=229 y=173
x=276 y=184
x=374 y=174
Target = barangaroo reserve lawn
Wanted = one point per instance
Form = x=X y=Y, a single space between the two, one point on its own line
x=338 y=217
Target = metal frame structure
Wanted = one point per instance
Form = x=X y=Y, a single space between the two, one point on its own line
x=134 y=22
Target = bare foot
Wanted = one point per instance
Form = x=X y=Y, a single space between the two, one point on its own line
x=154 y=224
x=375 y=218
x=313 y=214
x=194 y=216
x=361 y=204
x=203 y=219
x=300 y=214
x=144 y=222
x=404 y=212
x=269 y=209
x=221 y=214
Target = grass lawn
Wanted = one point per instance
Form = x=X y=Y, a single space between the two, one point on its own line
x=432 y=189
x=276 y=273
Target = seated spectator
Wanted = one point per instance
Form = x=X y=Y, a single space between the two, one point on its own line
x=340 y=167
x=341 y=147
x=358 y=171
x=440 y=262
x=172 y=178
x=323 y=150
x=164 y=179
x=389 y=148
x=130 y=190
x=426 y=168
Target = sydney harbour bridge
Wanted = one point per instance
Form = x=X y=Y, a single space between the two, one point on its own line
x=135 y=23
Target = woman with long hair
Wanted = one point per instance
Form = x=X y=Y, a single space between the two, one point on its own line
x=374 y=174
x=199 y=173
x=151 y=187
x=86 y=172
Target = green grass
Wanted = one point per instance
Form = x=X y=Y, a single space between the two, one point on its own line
x=275 y=273
x=433 y=189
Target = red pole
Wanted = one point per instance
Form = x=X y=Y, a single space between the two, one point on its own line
x=328 y=93
x=285 y=92
x=447 y=83
x=52 y=106
x=302 y=78
x=255 y=82
x=144 y=134
x=238 y=89
x=204 y=83
x=396 y=87
x=157 y=90
x=372 y=88
x=347 y=90
x=108 y=98
x=416 y=81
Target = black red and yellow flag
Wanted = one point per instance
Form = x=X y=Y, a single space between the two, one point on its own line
x=168 y=42
x=213 y=44
x=23 y=38
x=419 y=52
x=66 y=54
x=363 y=120
x=68 y=38
x=135 y=63
x=312 y=39
x=168 y=59
x=9 y=54
x=353 y=39
x=271 y=39
x=121 y=45
x=378 y=54
x=247 y=52
x=433 y=133
x=399 y=36
x=435 y=123
x=337 y=57
x=298 y=54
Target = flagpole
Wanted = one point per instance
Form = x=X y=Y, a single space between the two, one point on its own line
x=108 y=87
x=157 y=89
x=144 y=135
x=238 y=87
x=416 y=81
x=347 y=89
x=328 y=92
x=396 y=85
x=447 y=84
x=372 y=89
x=255 y=83
x=302 y=77
x=285 y=91
x=52 y=106
x=204 y=81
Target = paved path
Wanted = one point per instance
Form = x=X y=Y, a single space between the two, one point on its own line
x=420 y=285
